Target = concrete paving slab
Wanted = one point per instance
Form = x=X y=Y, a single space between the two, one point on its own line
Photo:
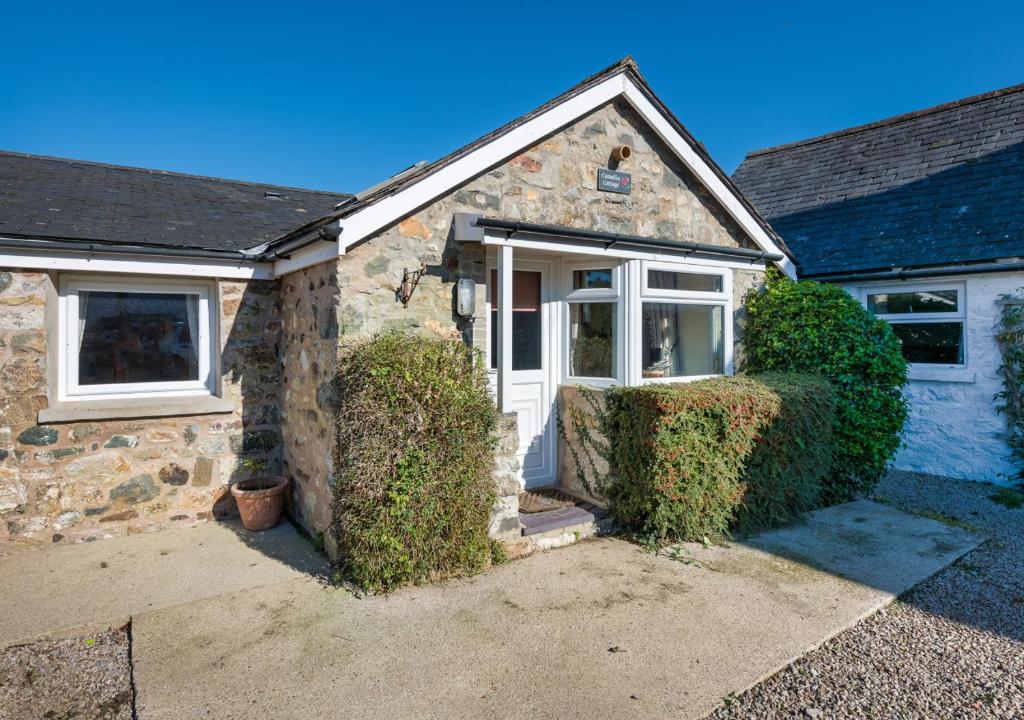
x=61 y=590
x=600 y=629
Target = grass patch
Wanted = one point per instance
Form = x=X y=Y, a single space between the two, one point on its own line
x=969 y=567
x=1008 y=498
x=946 y=519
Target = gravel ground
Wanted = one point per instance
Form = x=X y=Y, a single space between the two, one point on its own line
x=86 y=678
x=953 y=647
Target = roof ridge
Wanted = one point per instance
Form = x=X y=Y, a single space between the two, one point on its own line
x=624 y=65
x=174 y=173
x=894 y=120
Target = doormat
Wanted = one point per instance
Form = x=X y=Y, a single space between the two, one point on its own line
x=544 y=499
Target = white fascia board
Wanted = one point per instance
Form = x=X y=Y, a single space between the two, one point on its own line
x=368 y=221
x=307 y=257
x=569 y=247
x=371 y=219
x=80 y=261
x=723 y=194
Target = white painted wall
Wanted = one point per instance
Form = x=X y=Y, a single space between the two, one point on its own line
x=954 y=429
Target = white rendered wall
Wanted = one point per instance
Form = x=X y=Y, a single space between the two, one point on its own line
x=954 y=429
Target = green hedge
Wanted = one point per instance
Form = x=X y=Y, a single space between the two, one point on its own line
x=414 y=463
x=820 y=329
x=793 y=456
x=691 y=460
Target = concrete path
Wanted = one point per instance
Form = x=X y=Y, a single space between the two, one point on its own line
x=65 y=589
x=597 y=630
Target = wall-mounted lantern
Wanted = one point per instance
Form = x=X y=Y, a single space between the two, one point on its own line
x=410 y=279
x=465 y=297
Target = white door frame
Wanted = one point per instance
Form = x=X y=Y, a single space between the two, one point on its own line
x=504 y=379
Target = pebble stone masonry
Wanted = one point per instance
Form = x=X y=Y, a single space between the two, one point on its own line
x=80 y=481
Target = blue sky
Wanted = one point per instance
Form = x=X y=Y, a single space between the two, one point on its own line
x=338 y=96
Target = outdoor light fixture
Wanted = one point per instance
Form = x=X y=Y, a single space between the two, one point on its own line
x=466 y=297
x=410 y=279
x=622 y=152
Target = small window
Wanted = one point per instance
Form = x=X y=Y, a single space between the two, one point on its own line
x=592 y=339
x=594 y=315
x=682 y=340
x=922 y=301
x=136 y=338
x=929 y=321
x=592 y=279
x=126 y=337
x=683 y=281
x=939 y=343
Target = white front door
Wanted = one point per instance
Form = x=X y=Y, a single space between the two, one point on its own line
x=531 y=394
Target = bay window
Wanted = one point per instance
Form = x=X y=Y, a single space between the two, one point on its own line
x=684 y=322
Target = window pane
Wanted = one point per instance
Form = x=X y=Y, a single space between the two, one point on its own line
x=937 y=343
x=583 y=279
x=926 y=301
x=682 y=340
x=137 y=337
x=527 y=340
x=668 y=280
x=592 y=340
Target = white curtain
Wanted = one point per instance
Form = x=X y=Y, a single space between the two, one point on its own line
x=83 y=311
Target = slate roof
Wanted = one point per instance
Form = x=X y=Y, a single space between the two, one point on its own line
x=56 y=198
x=936 y=186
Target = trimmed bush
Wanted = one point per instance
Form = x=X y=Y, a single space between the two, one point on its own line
x=820 y=329
x=690 y=460
x=414 y=463
x=793 y=455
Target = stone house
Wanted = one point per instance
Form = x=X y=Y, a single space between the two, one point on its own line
x=921 y=217
x=162 y=335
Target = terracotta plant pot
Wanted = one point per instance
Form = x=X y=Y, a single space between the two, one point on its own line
x=260 y=501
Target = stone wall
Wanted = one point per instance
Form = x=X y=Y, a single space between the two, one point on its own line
x=87 y=480
x=310 y=303
x=954 y=428
x=743 y=281
x=574 y=455
x=505 y=516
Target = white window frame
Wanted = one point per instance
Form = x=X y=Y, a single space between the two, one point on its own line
x=922 y=318
x=616 y=295
x=69 y=390
x=644 y=293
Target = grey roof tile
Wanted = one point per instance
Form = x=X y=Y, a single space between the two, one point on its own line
x=940 y=185
x=42 y=197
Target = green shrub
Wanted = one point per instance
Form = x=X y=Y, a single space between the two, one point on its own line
x=793 y=455
x=414 y=462
x=820 y=329
x=690 y=460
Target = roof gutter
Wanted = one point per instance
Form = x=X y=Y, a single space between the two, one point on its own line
x=51 y=244
x=327 y=233
x=610 y=239
x=979 y=269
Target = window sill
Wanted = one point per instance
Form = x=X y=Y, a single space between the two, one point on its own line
x=951 y=375
x=123 y=409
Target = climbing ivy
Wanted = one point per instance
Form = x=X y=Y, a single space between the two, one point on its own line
x=1010 y=338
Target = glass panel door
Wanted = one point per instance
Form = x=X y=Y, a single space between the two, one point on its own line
x=527 y=325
